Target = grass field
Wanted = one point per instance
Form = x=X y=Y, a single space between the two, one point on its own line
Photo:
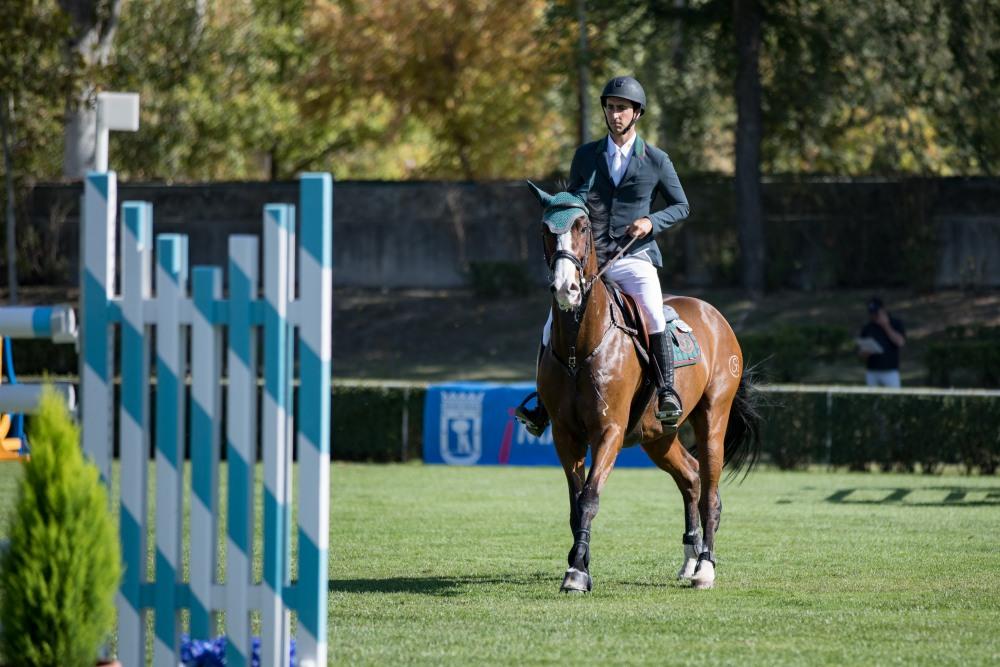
x=461 y=566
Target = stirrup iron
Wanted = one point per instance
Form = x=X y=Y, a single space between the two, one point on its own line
x=535 y=420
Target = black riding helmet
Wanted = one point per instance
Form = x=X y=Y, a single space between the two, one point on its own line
x=627 y=88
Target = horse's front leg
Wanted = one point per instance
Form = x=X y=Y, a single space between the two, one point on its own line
x=577 y=578
x=572 y=455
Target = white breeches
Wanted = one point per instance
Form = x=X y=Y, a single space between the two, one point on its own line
x=637 y=278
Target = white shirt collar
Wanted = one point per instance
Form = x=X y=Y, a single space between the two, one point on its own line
x=626 y=148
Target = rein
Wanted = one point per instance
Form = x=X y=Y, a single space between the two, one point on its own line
x=586 y=285
x=607 y=264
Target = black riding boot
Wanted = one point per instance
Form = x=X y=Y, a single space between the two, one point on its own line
x=668 y=401
x=535 y=419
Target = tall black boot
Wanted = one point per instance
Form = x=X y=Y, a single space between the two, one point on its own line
x=668 y=401
x=535 y=419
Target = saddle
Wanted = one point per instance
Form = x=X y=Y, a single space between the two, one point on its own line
x=686 y=349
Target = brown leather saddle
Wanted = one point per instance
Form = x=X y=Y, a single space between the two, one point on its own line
x=627 y=316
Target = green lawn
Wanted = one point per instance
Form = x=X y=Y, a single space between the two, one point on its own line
x=438 y=565
x=462 y=566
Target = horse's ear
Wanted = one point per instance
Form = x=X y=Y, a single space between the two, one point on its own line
x=543 y=197
x=586 y=187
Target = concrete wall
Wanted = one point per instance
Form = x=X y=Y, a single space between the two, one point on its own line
x=920 y=232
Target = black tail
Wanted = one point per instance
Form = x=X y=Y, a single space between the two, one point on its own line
x=743 y=432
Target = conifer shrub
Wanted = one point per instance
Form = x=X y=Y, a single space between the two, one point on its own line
x=60 y=571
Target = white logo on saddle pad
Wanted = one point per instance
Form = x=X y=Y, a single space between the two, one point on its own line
x=461 y=434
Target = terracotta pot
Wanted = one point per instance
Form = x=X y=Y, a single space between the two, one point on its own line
x=109 y=663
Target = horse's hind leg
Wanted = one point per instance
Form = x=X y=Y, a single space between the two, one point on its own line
x=670 y=455
x=711 y=433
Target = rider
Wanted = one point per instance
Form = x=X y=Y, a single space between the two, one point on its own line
x=628 y=173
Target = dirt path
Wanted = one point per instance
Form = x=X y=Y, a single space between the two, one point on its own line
x=450 y=335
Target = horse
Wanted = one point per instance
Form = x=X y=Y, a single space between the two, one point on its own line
x=591 y=381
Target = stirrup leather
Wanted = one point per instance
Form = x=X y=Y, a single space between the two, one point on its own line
x=535 y=420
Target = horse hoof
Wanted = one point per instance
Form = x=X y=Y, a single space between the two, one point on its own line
x=687 y=570
x=576 y=581
x=690 y=563
x=704 y=577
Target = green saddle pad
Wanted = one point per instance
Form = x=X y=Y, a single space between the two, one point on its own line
x=686 y=349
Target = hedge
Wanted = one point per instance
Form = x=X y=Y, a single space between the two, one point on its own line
x=906 y=429
x=377 y=421
x=970 y=354
x=850 y=427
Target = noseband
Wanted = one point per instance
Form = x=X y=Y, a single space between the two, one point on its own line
x=585 y=285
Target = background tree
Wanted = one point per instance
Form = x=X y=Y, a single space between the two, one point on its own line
x=94 y=23
x=34 y=80
x=462 y=88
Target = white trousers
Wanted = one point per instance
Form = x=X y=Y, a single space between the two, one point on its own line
x=637 y=278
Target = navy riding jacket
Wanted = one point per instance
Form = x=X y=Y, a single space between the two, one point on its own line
x=649 y=171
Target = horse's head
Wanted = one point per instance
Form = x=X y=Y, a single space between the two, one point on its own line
x=568 y=243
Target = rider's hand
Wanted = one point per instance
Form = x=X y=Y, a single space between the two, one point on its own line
x=640 y=227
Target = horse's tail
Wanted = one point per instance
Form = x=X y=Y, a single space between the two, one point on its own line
x=743 y=433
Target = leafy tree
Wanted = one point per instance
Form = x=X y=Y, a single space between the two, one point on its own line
x=460 y=87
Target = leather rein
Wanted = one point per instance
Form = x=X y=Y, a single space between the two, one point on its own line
x=570 y=365
x=585 y=284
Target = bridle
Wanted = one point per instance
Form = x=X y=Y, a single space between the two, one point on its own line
x=585 y=284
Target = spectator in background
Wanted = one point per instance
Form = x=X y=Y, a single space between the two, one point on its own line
x=878 y=346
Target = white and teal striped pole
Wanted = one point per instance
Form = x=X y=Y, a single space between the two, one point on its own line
x=279 y=221
x=57 y=323
x=206 y=417
x=133 y=437
x=314 y=318
x=96 y=286
x=171 y=356
x=241 y=440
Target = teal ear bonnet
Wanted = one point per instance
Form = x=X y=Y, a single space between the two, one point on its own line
x=560 y=210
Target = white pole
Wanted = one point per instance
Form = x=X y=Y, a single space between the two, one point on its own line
x=115 y=111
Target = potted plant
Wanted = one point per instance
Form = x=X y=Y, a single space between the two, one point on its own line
x=61 y=568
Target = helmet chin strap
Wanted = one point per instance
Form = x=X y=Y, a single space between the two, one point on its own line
x=626 y=130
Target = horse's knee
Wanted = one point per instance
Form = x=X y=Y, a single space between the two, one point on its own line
x=588 y=504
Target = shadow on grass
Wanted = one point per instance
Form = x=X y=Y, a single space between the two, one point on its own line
x=437 y=586
x=950 y=496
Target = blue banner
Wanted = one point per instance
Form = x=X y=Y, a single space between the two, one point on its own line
x=472 y=423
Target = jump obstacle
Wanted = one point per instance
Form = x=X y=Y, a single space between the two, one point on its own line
x=201 y=317
x=56 y=323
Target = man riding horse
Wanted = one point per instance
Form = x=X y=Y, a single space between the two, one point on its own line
x=624 y=174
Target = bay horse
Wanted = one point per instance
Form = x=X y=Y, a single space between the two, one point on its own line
x=591 y=381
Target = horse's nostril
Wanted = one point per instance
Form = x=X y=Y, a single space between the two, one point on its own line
x=552 y=288
x=574 y=288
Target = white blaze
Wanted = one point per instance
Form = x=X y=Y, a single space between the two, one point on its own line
x=565 y=279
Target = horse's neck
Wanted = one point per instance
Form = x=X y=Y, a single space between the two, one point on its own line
x=588 y=333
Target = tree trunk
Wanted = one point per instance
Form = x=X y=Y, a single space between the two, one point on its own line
x=749 y=207
x=583 y=65
x=93 y=35
x=7 y=105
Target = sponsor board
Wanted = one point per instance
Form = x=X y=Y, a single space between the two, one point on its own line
x=472 y=423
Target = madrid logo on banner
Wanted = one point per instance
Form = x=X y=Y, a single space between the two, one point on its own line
x=461 y=436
